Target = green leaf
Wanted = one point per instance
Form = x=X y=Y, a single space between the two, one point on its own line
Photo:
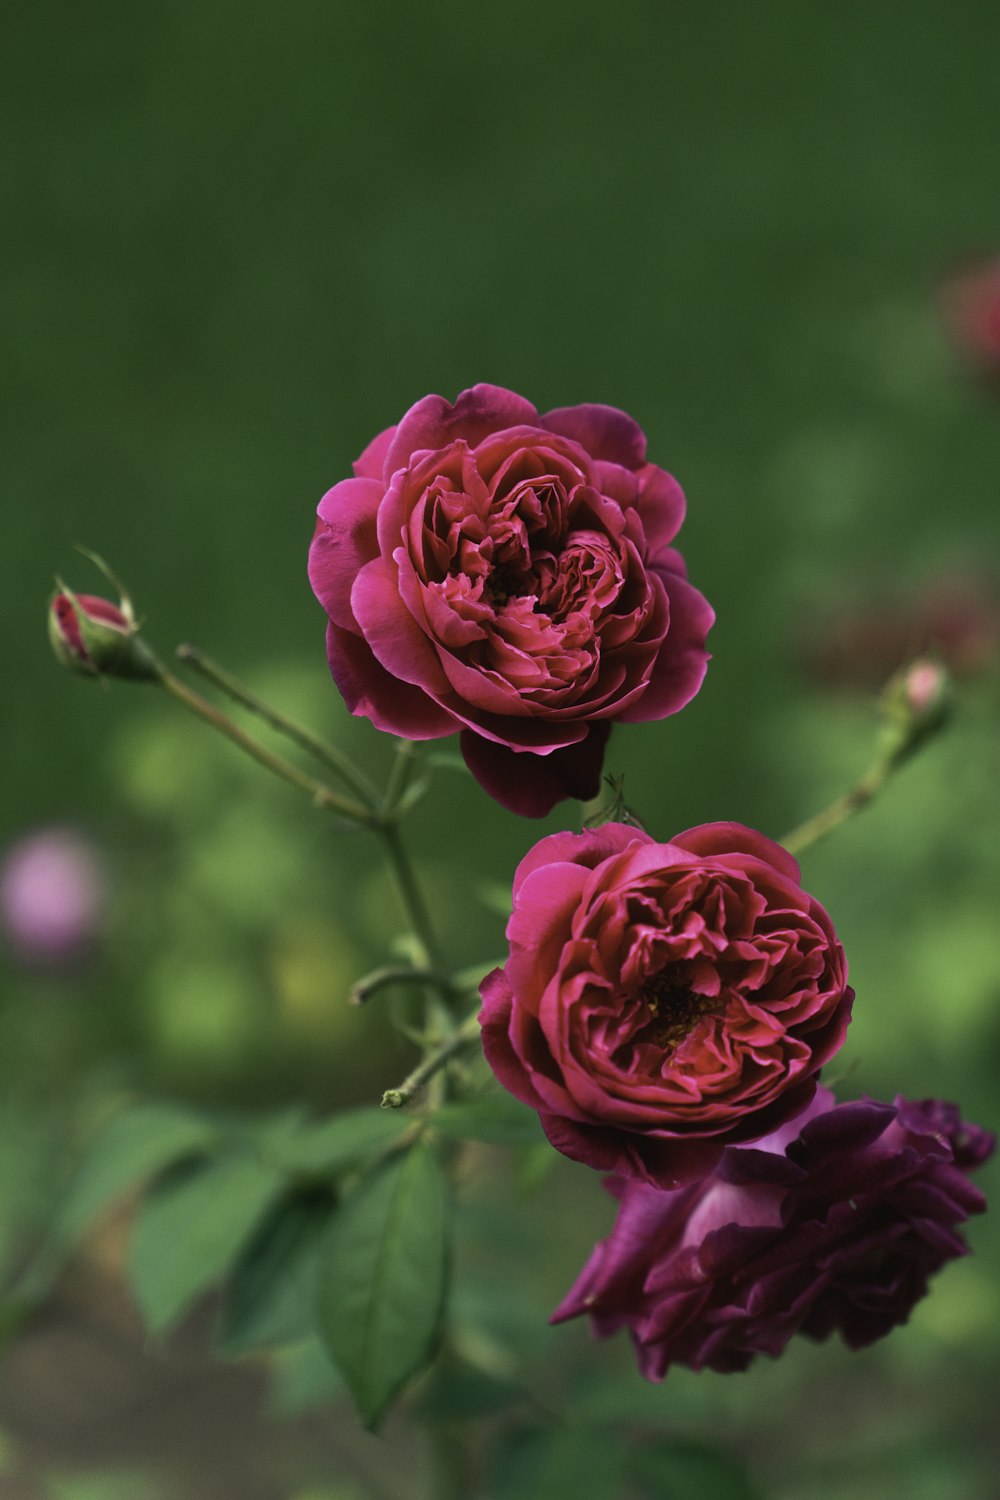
x=535 y=1464
x=133 y=1145
x=120 y=1483
x=583 y=1461
x=339 y=1142
x=497 y=1119
x=303 y=1379
x=687 y=1470
x=458 y=1391
x=271 y=1296
x=191 y=1228
x=382 y=1280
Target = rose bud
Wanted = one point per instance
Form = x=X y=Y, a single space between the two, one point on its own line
x=832 y=1224
x=52 y=896
x=971 y=305
x=510 y=576
x=94 y=637
x=662 y=1001
x=915 y=704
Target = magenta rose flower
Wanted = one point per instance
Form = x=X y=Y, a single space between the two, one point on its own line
x=832 y=1224
x=510 y=576
x=662 y=1001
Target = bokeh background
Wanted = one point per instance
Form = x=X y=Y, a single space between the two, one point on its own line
x=238 y=241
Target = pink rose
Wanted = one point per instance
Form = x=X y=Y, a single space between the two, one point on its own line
x=663 y=1001
x=510 y=576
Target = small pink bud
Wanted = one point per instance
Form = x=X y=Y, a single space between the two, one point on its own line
x=92 y=636
x=916 y=703
x=924 y=684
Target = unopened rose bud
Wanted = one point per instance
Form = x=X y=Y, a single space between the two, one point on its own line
x=925 y=685
x=95 y=637
x=916 y=703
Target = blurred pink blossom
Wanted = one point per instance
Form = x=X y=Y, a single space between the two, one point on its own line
x=53 y=890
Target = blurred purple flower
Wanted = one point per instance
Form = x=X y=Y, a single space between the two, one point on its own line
x=833 y=1223
x=52 y=895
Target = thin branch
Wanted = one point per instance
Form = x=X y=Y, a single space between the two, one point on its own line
x=432 y=1063
x=380 y=979
x=320 y=794
x=328 y=755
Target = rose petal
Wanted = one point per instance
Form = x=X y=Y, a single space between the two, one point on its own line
x=680 y=666
x=345 y=541
x=391 y=632
x=531 y=785
x=370 y=692
x=435 y=422
x=604 y=431
x=709 y=839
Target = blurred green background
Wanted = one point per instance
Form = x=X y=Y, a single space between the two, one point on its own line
x=241 y=239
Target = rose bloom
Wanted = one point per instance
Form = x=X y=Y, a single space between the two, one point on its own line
x=510 y=576
x=833 y=1223
x=662 y=1001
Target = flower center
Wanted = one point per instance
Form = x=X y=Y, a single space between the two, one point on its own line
x=504 y=582
x=674 y=1010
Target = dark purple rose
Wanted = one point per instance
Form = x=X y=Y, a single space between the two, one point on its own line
x=833 y=1223
x=662 y=1001
x=510 y=576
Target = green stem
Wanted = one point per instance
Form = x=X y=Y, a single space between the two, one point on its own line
x=380 y=979
x=400 y=776
x=410 y=894
x=320 y=794
x=467 y=1032
x=842 y=808
x=328 y=755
